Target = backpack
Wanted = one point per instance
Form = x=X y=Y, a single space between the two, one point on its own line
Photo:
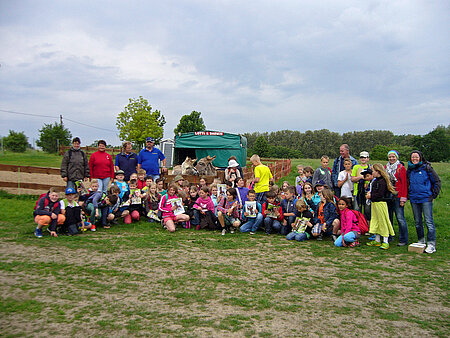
x=37 y=201
x=361 y=222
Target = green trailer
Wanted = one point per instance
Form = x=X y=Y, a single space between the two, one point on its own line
x=213 y=143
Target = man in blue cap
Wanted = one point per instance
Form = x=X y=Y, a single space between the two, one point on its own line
x=149 y=158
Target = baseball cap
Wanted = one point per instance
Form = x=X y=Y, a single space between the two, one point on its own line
x=70 y=191
x=150 y=139
x=363 y=154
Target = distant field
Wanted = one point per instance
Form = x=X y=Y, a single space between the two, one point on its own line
x=140 y=280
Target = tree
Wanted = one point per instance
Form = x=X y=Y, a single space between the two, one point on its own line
x=435 y=145
x=190 y=123
x=261 y=147
x=16 y=141
x=138 y=121
x=52 y=134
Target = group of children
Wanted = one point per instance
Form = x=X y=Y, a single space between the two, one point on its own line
x=299 y=212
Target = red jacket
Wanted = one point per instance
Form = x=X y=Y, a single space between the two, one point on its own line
x=401 y=186
x=280 y=210
x=101 y=165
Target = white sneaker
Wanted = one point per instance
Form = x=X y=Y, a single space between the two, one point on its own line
x=231 y=231
x=224 y=232
x=430 y=249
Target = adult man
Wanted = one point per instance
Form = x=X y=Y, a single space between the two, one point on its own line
x=338 y=166
x=126 y=160
x=262 y=178
x=74 y=165
x=149 y=158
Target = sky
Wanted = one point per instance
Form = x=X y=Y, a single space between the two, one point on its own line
x=247 y=66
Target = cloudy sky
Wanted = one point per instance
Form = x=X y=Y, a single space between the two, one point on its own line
x=245 y=65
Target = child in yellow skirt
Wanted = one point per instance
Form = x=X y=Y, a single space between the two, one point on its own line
x=379 y=190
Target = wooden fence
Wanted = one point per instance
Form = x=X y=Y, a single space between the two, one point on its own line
x=90 y=150
x=278 y=167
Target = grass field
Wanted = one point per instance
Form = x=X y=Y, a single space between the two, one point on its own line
x=140 y=280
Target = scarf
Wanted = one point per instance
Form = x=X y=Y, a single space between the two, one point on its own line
x=391 y=170
x=412 y=166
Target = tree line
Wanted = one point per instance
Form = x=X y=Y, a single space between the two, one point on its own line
x=313 y=144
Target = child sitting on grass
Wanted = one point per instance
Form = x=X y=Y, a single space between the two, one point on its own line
x=288 y=206
x=326 y=216
x=228 y=212
x=48 y=213
x=302 y=226
x=151 y=203
x=272 y=213
x=71 y=211
x=254 y=220
x=204 y=210
x=350 y=231
x=167 y=209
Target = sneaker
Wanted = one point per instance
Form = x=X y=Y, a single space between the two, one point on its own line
x=93 y=228
x=231 y=231
x=197 y=227
x=224 y=232
x=373 y=243
x=430 y=249
x=421 y=241
x=353 y=244
x=384 y=246
x=252 y=233
x=38 y=233
x=402 y=244
x=320 y=237
x=372 y=238
x=334 y=237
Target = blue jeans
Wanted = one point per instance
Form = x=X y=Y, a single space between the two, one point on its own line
x=103 y=184
x=427 y=210
x=261 y=197
x=285 y=229
x=71 y=184
x=349 y=237
x=394 y=207
x=297 y=236
x=271 y=224
x=252 y=224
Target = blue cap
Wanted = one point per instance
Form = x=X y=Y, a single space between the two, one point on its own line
x=150 y=139
x=70 y=191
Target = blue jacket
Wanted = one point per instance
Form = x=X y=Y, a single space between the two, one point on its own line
x=329 y=214
x=424 y=183
x=127 y=163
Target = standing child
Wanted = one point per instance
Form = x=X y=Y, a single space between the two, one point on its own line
x=160 y=187
x=189 y=203
x=350 y=231
x=120 y=177
x=323 y=173
x=232 y=173
x=273 y=213
x=135 y=206
x=48 y=213
x=167 y=209
x=380 y=225
x=255 y=219
x=204 y=210
x=309 y=172
x=228 y=212
x=300 y=180
x=302 y=226
x=214 y=197
x=141 y=179
x=326 y=217
x=345 y=179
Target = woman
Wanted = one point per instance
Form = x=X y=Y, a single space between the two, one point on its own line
x=397 y=176
x=101 y=166
x=424 y=186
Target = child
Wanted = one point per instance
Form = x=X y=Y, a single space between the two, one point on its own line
x=299 y=180
x=316 y=197
x=232 y=173
x=359 y=199
x=189 y=203
x=253 y=220
x=71 y=211
x=214 y=197
x=276 y=189
x=167 y=209
x=160 y=187
x=273 y=213
x=135 y=206
x=148 y=183
x=309 y=172
x=141 y=179
x=350 y=231
x=307 y=195
x=323 y=173
x=178 y=180
x=228 y=212
x=186 y=186
x=151 y=203
x=288 y=207
x=326 y=217
x=48 y=213
x=104 y=208
x=242 y=192
x=202 y=183
x=302 y=226
x=120 y=176
x=284 y=185
x=91 y=203
x=345 y=179
x=115 y=211
x=380 y=225
x=133 y=176
x=204 y=210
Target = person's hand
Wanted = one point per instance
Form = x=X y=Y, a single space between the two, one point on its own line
x=174 y=207
x=53 y=234
x=54 y=216
x=86 y=179
x=324 y=227
x=164 y=169
x=368 y=196
x=97 y=214
x=246 y=214
x=402 y=204
x=65 y=179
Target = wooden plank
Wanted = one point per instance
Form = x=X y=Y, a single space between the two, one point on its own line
x=35 y=186
x=29 y=169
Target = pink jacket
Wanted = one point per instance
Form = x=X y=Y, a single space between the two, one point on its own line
x=348 y=222
x=165 y=206
x=205 y=204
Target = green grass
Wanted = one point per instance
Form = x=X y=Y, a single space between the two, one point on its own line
x=139 y=279
x=32 y=158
